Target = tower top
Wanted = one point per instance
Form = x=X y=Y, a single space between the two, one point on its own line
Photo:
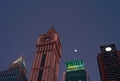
x=20 y=62
x=51 y=30
x=75 y=65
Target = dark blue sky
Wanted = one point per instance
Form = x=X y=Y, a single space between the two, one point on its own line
x=81 y=24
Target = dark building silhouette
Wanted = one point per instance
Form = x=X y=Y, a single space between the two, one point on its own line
x=109 y=63
x=15 y=72
x=75 y=71
x=47 y=57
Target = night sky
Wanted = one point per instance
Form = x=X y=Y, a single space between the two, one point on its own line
x=84 y=25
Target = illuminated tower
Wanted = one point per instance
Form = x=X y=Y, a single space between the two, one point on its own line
x=109 y=63
x=75 y=71
x=16 y=72
x=47 y=57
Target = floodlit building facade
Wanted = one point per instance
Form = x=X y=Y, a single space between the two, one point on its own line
x=47 y=57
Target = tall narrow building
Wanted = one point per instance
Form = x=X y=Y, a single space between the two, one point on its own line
x=47 y=57
x=75 y=71
x=16 y=71
x=109 y=63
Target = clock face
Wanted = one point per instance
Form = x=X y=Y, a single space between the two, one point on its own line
x=46 y=38
x=108 y=49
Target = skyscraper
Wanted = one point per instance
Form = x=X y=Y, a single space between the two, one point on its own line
x=109 y=63
x=75 y=71
x=47 y=57
x=15 y=72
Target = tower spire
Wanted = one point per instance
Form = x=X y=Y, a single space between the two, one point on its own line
x=20 y=61
x=15 y=72
x=52 y=29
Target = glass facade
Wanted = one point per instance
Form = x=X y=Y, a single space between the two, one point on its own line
x=76 y=76
x=43 y=60
x=15 y=72
x=12 y=75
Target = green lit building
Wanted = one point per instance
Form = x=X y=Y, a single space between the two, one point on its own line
x=75 y=71
x=15 y=72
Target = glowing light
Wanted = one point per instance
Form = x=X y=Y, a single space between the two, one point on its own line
x=75 y=65
x=108 y=49
x=75 y=50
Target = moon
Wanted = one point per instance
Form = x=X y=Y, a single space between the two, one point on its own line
x=75 y=50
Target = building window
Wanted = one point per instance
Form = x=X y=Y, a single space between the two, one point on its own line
x=43 y=60
x=40 y=75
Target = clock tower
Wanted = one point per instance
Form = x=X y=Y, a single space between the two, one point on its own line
x=47 y=57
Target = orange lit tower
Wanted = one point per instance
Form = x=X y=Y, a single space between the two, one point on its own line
x=47 y=57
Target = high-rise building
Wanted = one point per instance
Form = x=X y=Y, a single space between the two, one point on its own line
x=47 y=57
x=75 y=71
x=16 y=71
x=109 y=63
